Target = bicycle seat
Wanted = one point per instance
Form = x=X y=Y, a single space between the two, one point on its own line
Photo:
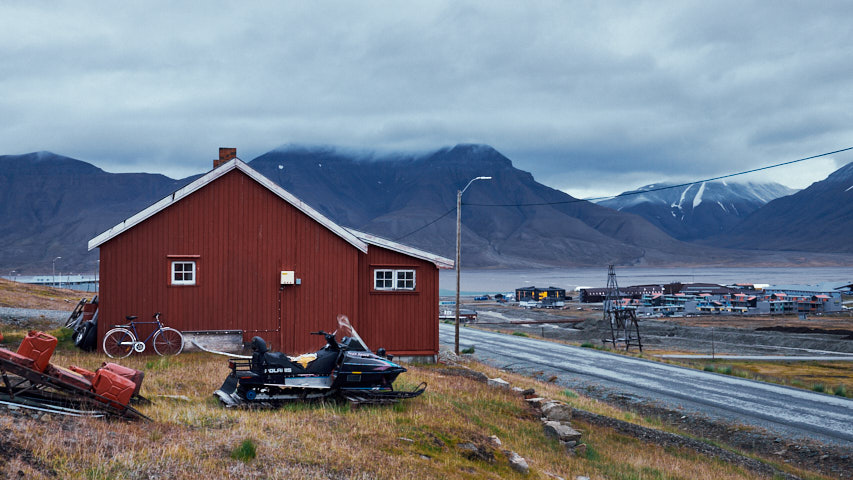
x=130 y=318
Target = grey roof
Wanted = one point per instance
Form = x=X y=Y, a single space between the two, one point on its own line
x=826 y=287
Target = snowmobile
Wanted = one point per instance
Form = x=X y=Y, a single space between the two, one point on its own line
x=345 y=369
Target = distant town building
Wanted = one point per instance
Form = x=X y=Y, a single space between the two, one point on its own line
x=551 y=297
x=709 y=298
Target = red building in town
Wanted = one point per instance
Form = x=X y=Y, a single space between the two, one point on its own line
x=234 y=251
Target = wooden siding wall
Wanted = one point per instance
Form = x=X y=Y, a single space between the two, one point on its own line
x=242 y=235
x=404 y=323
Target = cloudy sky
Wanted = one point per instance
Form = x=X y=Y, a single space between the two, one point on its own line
x=592 y=97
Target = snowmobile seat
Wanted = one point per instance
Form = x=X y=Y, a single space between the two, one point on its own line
x=324 y=363
x=279 y=359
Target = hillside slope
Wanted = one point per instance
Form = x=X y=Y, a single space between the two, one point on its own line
x=816 y=219
x=51 y=205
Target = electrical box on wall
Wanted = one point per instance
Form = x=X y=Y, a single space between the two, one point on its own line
x=288 y=277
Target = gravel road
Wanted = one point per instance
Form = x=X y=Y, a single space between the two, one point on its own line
x=16 y=316
x=793 y=412
x=806 y=428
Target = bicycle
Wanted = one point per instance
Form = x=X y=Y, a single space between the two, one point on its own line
x=121 y=341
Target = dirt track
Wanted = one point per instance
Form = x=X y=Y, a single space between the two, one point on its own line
x=732 y=335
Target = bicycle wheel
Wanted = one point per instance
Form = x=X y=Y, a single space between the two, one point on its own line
x=168 y=341
x=118 y=343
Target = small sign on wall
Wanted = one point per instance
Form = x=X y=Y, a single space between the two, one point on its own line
x=288 y=277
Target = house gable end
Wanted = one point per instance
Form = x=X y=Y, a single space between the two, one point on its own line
x=235 y=164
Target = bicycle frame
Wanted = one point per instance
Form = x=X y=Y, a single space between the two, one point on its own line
x=132 y=327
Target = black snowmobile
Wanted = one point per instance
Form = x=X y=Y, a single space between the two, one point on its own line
x=346 y=369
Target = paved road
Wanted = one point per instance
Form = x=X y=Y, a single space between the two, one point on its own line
x=778 y=408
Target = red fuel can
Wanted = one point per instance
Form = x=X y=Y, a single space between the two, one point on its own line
x=113 y=386
x=131 y=374
x=39 y=346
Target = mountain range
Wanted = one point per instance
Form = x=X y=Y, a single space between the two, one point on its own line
x=52 y=205
x=816 y=219
x=697 y=210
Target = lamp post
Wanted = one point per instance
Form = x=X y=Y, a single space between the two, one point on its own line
x=54 y=270
x=459 y=250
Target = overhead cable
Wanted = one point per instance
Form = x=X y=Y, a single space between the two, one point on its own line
x=638 y=192
x=626 y=194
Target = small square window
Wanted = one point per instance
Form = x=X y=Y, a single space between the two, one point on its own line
x=405 y=279
x=383 y=279
x=183 y=273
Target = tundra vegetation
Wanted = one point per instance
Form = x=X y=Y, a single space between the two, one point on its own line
x=192 y=436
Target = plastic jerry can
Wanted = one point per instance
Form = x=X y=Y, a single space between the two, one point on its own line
x=39 y=346
x=113 y=387
x=131 y=374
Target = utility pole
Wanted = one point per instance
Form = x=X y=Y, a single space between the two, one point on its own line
x=459 y=251
x=54 y=270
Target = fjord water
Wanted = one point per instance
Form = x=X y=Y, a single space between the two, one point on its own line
x=476 y=282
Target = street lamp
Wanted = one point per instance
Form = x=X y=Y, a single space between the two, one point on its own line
x=54 y=270
x=459 y=249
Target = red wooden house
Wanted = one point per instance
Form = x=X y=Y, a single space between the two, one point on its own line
x=234 y=251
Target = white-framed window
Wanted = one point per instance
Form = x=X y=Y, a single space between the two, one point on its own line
x=383 y=279
x=390 y=280
x=183 y=273
x=404 y=279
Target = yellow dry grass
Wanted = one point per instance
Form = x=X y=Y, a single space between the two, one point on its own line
x=22 y=295
x=829 y=377
x=415 y=439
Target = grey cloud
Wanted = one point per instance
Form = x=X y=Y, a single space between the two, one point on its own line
x=610 y=94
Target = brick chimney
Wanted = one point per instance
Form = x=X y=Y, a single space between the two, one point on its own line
x=225 y=154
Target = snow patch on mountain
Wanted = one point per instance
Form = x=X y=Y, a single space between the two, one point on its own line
x=697 y=200
x=681 y=199
x=688 y=213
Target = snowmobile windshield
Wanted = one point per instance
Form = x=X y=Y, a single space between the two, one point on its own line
x=346 y=329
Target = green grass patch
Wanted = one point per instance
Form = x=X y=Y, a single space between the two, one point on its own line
x=245 y=452
x=709 y=368
x=64 y=337
x=520 y=334
x=569 y=394
x=840 y=390
x=13 y=338
x=819 y=387
x=468 y=350
x=587 y=345
x=161 y=363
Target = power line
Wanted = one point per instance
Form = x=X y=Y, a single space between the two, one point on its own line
x=626 y=194
x=428 y=224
